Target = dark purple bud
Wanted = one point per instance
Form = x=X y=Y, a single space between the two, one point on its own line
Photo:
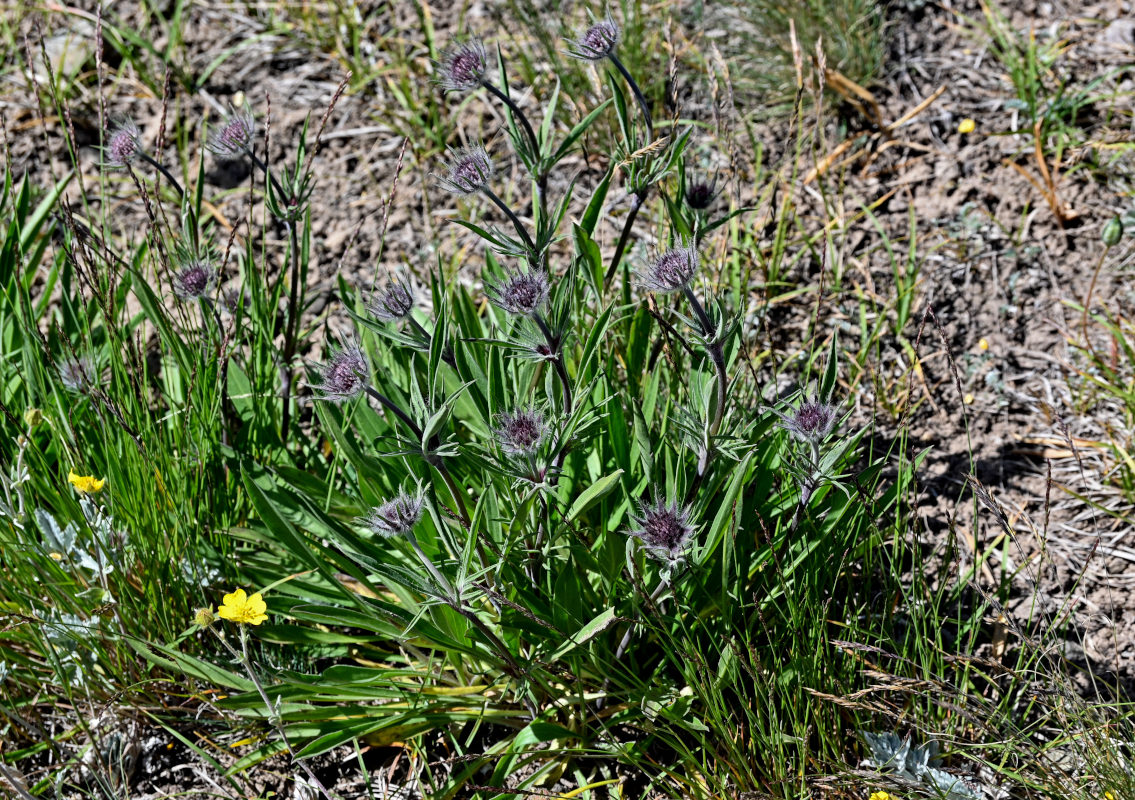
x=463 y=67
x=194 y=280
x=597 y=42
x=392 y=303
x=235 y=138
x=671 y=271
x=700 y=192
x=124 y=146
x=812 y=422
x=395 y=517
x=468 y=171
x=521 y=432
x=523 y=293
x=344 y=376
x=664 y=530
x=77 y=374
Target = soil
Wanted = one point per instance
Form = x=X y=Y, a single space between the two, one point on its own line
x=998 y=385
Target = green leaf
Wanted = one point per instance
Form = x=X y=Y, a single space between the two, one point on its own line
x=585 y=634
x=592 y=494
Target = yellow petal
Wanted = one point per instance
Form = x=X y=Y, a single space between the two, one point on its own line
x=967 y=125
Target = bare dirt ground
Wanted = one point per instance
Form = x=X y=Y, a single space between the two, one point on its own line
x=997 y=384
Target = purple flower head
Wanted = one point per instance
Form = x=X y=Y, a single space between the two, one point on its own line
x=395 y=517
x=235 y=138
x=521 y=292
x=671 y=271
x=700 y=192
x=77 y=374
x=664 y=530
x=469 y=171
x=124 y=146
x=521 y=432
x=597 y=42
x=344 y=376
x=194 y=280
x=464 y=66
x=393 y=302
x=812 y=421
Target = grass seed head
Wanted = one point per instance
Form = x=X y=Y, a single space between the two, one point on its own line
x=671 y=271
x=468 y=171
x=235 y=138
x=521 y=292
x=395 y=517
x=124 y=146
x=464 y=67
x=392 y=303
x=521 y=432
x=597 y=42
x=344 y=376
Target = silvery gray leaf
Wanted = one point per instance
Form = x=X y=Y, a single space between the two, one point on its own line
x=885 y=748
x=57 y=540
x=947 y=785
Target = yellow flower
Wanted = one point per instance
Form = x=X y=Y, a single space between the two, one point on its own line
x=1110 y=796
x=883 y=796
x=239 y=607
x=983 y=344
x=966 y=125
x=85 y=484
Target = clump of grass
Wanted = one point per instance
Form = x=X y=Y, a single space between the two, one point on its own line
x=764 y=39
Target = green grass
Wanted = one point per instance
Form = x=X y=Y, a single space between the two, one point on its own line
x=540 y=643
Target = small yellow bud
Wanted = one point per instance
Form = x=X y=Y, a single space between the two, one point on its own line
x=56 y=556
x=32 y=417
x=204 y=617
x=983 y=344
x=968 y=399
x=967 y=125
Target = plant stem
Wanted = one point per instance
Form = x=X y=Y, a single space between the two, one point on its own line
x=391 y=406
x=275 y=183
x=637 y=96
x=277 y=723
x=515 y=220
x=639 y=198
x=292 y=328
x=716 y=355
x=168 y=175
x=529 y=132
x=557 y=361
x=446 y=351
x=458 y=497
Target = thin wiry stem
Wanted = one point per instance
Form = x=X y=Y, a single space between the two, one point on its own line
x=391 y=406
x=273 y=716
x=557 y=361
x=292 y=328
x=639 y=199
x=168 y=175
x=528 y=131
x=637 y=96
x=458 y=497
x=515 y=220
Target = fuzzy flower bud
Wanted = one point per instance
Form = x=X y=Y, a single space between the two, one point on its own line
x=671 y=271
x=395 y=517
x=124 y=146
x=204 y=617
x=194 y=280
x=700 y=192
x=523 y=293
x=812 y=422
x=392 y=303
x=344 y=376
x=468 y=172
x=521 y=432
x=597 y=42
x=77 y=374
x=664 y=530
x=235 y=138
x=463 y=67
